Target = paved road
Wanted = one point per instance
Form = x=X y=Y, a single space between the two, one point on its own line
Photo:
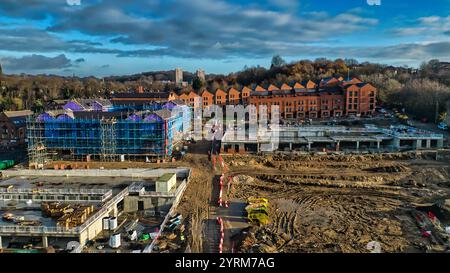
x=233 y=218
x=234 y=221
x=212 y=233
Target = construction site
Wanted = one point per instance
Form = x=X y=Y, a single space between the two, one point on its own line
x=88 y=210
x=310 y=202
x=367 y=138
x=380 y=187
x=124 y=134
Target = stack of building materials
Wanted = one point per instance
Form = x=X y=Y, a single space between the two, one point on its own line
x=55 y=209
x=68 y=216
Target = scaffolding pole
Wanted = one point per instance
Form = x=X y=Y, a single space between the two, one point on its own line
x=108 y=140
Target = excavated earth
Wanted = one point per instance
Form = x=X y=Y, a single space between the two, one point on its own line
x=321 y=203
x=341 y=203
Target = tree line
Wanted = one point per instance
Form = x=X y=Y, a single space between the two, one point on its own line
x=419 y=91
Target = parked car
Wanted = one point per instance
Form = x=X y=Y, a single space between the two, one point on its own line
x=443 y=126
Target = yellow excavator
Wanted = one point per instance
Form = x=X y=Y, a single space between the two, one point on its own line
x=257 y=200
x=257 y=211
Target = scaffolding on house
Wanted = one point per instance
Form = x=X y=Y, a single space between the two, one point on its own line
x=106 y=139
x=37 y=152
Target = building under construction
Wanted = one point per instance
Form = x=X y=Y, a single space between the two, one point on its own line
x=106 y=136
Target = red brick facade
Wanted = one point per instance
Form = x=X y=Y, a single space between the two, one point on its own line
x=332 y=97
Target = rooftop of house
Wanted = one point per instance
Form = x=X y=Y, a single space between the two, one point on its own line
x=88 y=103
x=60 y=102
x=18 y=114
x=164 y=114
x=178 y=102
x=98 y=115
x=146 y=95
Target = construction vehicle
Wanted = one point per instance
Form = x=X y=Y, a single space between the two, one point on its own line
x=257 y=211
x=253 y=200
x=257 y=204
x=258 y=218
x=253 y=207
x=404 y=119
x=443 y=126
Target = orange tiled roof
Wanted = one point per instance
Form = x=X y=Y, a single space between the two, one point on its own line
x=259 y=88
x=299 y=86
x=272 y=87
x=220 y=91
x=207 y=93
x=285 y=87
x=234 y=90
x=195 y=94
x=311 y=84
x=246 y=89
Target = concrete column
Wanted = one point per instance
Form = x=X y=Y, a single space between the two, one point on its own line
x=309 y=146
x=290 y=146
x=44 y=241
x=338 y=146
x=357 y=145
x=1 y=243
x=418 y=144
x=258 y=147
x=378 y=145
x=428 y=143
x=115 y=211
x=396 y=143
x=241 y=148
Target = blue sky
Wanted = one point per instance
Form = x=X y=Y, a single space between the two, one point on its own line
x=117 y=37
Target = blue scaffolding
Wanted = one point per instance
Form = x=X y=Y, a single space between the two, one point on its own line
x=143 y=134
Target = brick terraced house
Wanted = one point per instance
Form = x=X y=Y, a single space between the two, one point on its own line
x=13 y=127
x=330 y=97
